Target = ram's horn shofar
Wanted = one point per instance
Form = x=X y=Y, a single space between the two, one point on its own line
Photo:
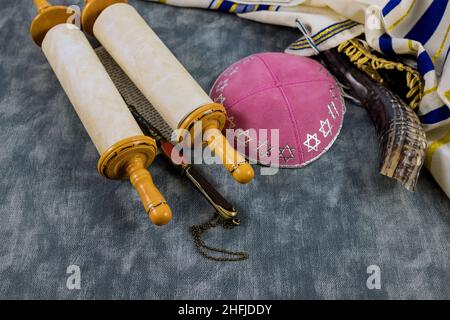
x=398 y=77
x=401 y=136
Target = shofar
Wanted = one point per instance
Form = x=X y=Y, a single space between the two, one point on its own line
x=124 y=149
x=402 y=140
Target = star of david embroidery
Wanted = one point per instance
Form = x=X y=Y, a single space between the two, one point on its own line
x=325 y=128
x=222 y=85
x=246 y=60
x=268 y=149
x=309 y=139
x=220 y=99
x=332 y=107
x=246 y=137
x=333 y=92
x=335 y=108
x=231 y=123
x=232 y=71
x=287 y=153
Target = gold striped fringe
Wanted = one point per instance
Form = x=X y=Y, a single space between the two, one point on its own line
x=361 y=56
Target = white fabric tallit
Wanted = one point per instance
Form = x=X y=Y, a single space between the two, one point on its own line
x=330 y=22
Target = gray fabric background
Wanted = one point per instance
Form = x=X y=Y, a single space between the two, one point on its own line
x=311 y=233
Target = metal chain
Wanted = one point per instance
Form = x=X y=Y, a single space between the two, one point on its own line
x=202 y=248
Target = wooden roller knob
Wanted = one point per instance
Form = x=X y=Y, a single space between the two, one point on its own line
x=234 y=162
x=41 y=5
x=49 y=16
x=154 y=203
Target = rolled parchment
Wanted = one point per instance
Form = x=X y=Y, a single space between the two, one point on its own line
x=124 y=149
x=161 y=77
x=93 y=95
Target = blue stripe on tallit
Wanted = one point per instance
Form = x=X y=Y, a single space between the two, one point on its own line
x=424 y=63
x=263 y=7
x=249 y=8
x=385 y=43
x=391 y=5
x=225 y=6
x=428 y=23
x=435 y=116
x=239 y=9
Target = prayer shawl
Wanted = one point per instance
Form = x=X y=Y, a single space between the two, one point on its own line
x=419 y=28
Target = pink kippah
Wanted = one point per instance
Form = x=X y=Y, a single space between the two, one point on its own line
x=294 y=94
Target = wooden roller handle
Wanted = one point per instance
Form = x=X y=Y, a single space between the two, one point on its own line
x=235 y=163
x=41 y=5
x=154 y=203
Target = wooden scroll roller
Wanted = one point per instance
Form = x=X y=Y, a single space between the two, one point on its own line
x=161 y=78
x=125 y=151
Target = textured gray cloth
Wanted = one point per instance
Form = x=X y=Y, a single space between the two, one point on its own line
x=311 y=233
